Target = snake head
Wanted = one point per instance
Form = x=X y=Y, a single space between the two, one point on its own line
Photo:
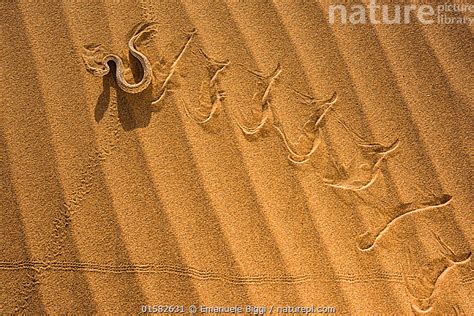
x=93 y=57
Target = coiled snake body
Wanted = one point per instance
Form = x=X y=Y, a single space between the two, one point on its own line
x=96 y=60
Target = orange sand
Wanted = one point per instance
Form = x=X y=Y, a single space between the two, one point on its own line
x=109 y=202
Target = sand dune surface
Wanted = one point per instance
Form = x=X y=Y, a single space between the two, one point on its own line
x=233 y=153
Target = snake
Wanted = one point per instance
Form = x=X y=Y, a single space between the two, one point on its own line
x=119 y=66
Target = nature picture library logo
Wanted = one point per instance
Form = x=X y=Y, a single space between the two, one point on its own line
x=377 y=12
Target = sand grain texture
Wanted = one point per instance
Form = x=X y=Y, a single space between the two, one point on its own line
x=273 y=159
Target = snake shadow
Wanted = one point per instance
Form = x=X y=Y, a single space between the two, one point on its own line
x=134 y=110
